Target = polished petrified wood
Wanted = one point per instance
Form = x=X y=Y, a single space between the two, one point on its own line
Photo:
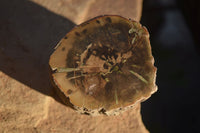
x=104 y=65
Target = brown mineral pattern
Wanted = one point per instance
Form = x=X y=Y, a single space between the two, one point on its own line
x=29 y=31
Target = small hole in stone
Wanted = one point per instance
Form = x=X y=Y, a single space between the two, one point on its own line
x=63 y=49
x=98 y=21
x=69 y=91
x=105 y=66
x=77 y=34
x=85 y=109
x=102 y=111
x=84 y=31
x=108 y=20
x=86 y=113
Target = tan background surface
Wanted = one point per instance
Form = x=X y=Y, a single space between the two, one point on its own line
x=29 y=30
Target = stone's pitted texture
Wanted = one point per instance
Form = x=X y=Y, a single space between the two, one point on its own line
x=105 y=65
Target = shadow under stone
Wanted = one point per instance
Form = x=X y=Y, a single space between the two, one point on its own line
x=28 y=35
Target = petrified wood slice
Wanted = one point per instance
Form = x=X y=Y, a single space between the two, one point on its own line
x=104 y=65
